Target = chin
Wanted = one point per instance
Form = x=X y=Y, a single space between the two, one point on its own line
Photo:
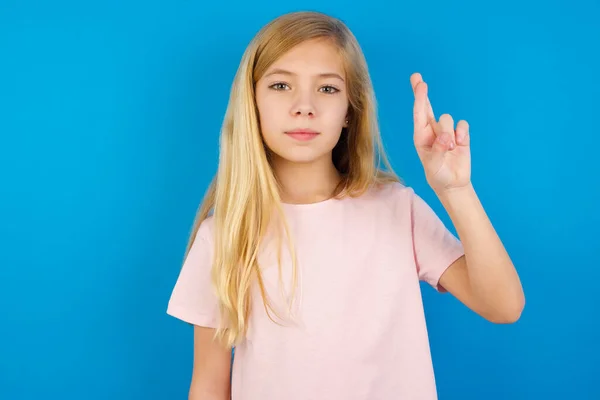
x=301 y=156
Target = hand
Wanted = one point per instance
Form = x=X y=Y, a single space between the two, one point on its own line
x=444 y=151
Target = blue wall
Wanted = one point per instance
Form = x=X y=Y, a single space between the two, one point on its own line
x=109 y=119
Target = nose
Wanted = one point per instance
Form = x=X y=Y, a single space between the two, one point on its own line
x=303 y=104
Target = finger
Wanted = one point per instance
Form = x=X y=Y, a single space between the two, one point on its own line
x=442 y=142
x=415 y=79
x=463 y=137
x=429 y=109
x=444 y=131
x=420 y=106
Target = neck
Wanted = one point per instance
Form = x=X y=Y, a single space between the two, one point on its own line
x=305 y=183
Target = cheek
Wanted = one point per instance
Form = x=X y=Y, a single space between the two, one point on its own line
x=270 y=113
x=334 y=114
x=271 y=119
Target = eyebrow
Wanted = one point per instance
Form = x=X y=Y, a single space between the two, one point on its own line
x=280 y=71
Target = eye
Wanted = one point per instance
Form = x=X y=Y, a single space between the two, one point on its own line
x=279 y=86
x=330 y=89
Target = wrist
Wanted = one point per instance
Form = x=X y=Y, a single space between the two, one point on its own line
x=456 y=196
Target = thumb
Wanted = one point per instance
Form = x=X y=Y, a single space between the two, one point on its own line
x=444 y=140
x=440 y=146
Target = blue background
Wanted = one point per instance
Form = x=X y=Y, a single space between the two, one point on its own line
x=109 y=120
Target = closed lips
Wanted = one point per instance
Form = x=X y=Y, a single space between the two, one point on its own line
x=302 y=132
x=303 y=135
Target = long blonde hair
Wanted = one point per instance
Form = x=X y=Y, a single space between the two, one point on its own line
x=244 y=194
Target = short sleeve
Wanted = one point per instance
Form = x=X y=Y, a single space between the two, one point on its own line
x=193 y=299
x=435 y=247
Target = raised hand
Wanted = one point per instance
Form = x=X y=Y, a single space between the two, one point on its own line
x=443 y=150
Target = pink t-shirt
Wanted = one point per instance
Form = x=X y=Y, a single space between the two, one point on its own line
x=358 y=331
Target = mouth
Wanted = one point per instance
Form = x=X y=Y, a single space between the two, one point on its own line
x=302 y=134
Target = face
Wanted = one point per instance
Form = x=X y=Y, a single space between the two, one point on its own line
x=302 y=103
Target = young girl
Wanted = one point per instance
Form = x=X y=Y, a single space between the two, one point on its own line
x=306 y=255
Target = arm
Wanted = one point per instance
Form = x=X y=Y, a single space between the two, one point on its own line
x=212 y=368
x=484 y=279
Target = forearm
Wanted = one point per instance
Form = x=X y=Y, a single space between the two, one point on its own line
x=198 y=393
x=210 y=387
x=492 y=275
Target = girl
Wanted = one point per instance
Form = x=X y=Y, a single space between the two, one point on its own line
x=306 y=255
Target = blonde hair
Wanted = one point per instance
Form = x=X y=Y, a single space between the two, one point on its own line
x=244 y=193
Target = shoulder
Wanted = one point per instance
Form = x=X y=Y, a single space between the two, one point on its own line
x=394 y=194
x=205 y=230
x=389 y=202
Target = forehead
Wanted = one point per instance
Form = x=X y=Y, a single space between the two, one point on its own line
x=312 y=57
